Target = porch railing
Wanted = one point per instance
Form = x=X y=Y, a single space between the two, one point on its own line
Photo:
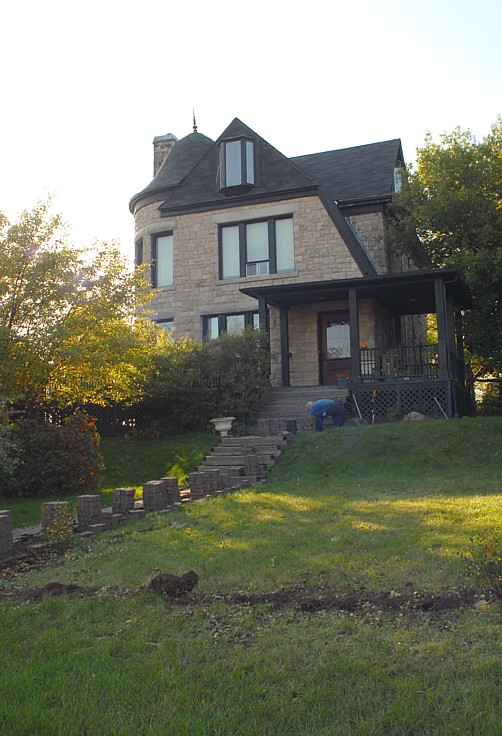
x=404 y=361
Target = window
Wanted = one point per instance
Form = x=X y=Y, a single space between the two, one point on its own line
x=138 y=252
x=165 y=324
x=398 y=178
x=234 y=324
x=255 y=248
x=237 y=165
x=162 y=260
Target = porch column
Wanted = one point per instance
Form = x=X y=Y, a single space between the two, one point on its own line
x=459 y=341
x=442 y=328
x=450 y=324
x=355 y=342
x=284 y=332
x=442 y=324
x=263 y=314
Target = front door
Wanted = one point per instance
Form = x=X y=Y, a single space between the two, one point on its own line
x=334 y=347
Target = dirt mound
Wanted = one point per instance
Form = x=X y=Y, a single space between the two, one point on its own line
x=173 y=585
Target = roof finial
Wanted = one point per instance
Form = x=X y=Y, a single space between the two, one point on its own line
x=194 y=122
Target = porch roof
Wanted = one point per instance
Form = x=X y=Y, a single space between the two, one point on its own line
x=401 y=293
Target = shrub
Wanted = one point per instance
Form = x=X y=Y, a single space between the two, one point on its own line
x=240 y=370
x=59 y=532
x=194 y=382
x=10 y=457
x=58 y=460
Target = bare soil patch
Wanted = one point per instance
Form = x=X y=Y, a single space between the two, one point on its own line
x=360 y=600
x=179 y=589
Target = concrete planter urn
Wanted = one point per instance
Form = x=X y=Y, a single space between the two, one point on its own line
x=223 y=425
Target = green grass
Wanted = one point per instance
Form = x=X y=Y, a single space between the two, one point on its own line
x=382 y=508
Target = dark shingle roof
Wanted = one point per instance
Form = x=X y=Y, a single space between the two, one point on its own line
x=185 y=155
x=361 y=172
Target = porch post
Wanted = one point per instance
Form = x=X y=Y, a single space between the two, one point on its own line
x=442 y=325
x=284 y=346
x=442 y=328
x=450 y=324
x=355 y=342
x=263 y=314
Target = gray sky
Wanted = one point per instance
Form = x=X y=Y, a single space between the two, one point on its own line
x=86 y=86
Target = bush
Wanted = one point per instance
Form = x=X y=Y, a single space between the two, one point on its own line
x=194 y=382
x=240 y=370
x=10 y=457
x=58 y=460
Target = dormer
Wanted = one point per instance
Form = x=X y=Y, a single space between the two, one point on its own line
x=237 y=165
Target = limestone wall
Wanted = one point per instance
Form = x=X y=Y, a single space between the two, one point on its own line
x=320 y=253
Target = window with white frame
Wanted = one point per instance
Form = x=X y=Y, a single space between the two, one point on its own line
x=256 y=248
x=163 y=260
x=234 y=324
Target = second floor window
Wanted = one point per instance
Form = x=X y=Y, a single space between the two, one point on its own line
x=162 y=260
x=255 y=248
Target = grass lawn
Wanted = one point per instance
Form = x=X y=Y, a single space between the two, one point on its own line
x=381 y=513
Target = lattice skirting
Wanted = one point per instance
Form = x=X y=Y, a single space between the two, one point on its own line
x=395 y=400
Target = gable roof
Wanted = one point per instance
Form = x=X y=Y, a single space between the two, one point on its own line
x=188 y=180
x=350 y=174
x=276 y=175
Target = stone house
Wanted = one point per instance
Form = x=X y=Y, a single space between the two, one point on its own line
x=237 y=234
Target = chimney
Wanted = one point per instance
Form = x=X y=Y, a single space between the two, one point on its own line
x=162 y=147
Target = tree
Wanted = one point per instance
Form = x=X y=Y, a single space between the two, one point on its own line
x=452 y=200
x=72 y=321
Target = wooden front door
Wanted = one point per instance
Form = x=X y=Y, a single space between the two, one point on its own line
x=334 y=347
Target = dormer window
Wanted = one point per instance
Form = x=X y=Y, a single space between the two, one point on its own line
x=237 y=165
x=398 y=178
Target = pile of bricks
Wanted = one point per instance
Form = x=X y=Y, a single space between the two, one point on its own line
x=172 y=490
x=6 y=540
x=203 y=483
x=123 y=500
x=154 y=496
x=53 y=510
x=88 y=512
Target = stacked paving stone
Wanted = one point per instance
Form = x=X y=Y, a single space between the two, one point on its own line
x=209 y=481
x=6 y=539
x=172 y=490
x=50 y=512
x=89 y=513
x=154 y=496
x=110 y=519
x=123 y=500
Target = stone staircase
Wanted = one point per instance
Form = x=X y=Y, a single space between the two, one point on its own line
x=245 y=460
x=286 y=405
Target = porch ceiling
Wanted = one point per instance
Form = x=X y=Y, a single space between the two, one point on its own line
x=403 y=293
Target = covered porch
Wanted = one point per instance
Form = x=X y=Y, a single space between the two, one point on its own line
x=393 y=375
